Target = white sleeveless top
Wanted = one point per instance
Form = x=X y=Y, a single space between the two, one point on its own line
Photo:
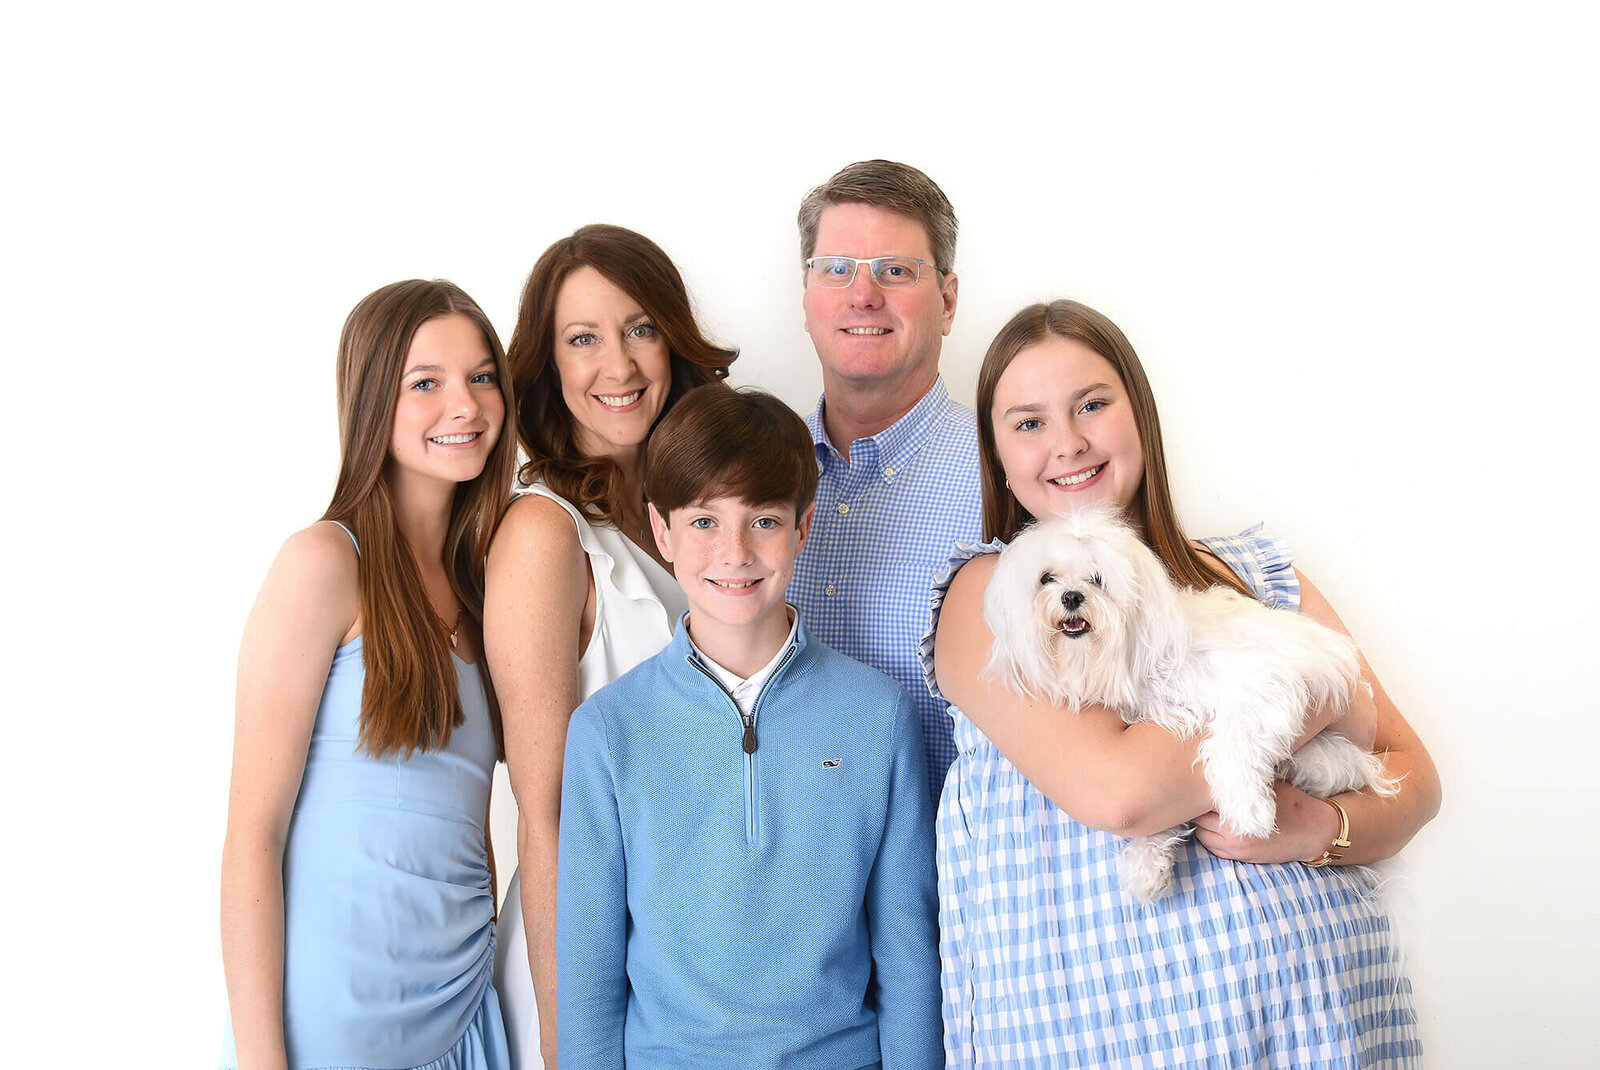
x=637 y=606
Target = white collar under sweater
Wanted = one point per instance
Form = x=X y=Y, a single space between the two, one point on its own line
x=744 y=691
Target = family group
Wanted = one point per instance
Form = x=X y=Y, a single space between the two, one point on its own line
x=772 y=810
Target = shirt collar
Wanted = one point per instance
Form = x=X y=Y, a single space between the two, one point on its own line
x=901 y=439
x=737 y=685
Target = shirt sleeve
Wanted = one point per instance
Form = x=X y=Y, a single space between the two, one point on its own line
x=902 y=911
x=591 y=904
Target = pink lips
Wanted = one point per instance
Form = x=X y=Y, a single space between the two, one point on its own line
x=1087 y=483
x=471 y=443
x=629 y=407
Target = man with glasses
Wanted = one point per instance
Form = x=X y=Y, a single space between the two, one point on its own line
x=898 y=458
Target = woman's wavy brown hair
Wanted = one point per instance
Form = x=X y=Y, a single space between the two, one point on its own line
x=1004 y=516
x=409 y=701
x=636 y=265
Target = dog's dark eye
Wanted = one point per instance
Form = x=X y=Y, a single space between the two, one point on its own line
x=1047 y=579
x=1096 y=580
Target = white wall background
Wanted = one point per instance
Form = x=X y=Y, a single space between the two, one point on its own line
x=1355 y=247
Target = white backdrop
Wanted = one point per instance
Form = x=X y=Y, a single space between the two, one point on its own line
x=1355 y=247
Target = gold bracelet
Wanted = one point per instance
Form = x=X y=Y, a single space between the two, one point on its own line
x=1341 y=842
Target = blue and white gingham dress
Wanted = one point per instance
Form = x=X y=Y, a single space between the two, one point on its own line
x=1046 y=962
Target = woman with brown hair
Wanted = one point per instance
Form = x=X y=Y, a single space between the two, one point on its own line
x=605 y=344
x=357 y=881
x=1046 y=958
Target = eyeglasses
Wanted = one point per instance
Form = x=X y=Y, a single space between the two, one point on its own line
x=889 y=272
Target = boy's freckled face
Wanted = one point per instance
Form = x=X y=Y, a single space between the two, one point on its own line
x=733 y=559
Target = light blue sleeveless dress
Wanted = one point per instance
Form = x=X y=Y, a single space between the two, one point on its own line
x=1046 y=961
x=389 y=930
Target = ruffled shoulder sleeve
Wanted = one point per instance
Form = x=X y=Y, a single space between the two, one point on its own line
x=1265 y=564
x=959 y=555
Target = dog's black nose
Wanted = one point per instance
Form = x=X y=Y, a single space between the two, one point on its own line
x=1071 y=599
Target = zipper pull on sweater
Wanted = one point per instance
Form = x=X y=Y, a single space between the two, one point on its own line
x=749 y=741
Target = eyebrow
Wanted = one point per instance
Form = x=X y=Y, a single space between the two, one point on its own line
x=1039 y=406
x=592 y=326
x=436 y=369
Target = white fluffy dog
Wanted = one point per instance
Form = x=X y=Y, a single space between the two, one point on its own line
x=1084 y=613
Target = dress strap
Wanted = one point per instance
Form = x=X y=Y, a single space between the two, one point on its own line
x=352 y=535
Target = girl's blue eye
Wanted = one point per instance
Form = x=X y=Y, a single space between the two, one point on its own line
x=424 y=384
x=1093 y=406
x=486 y=377
x=1030 y=424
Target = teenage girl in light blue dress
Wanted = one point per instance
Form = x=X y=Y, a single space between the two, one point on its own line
x=357 y=882
x=1045 y=959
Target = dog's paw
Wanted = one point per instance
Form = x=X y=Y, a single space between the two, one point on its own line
x=1145 y=865
x=1252 y=814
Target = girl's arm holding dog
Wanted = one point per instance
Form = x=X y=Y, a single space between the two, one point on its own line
x=1130 y=780
x=1380 y=826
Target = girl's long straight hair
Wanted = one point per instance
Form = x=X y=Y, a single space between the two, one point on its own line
x=409 y=701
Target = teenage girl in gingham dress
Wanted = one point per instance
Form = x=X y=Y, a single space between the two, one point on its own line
x=1046 y=960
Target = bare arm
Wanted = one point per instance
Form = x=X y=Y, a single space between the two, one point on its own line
x=538 y=613
x=1131 y=780
x=1379 y=826
x=307 y=607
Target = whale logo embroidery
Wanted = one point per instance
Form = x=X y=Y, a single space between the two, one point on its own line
x=831 y=763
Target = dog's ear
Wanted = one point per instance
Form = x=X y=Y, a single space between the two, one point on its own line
x=1160 y=636
x=1020 y=656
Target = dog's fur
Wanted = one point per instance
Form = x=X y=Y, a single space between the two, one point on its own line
x=1083 y=613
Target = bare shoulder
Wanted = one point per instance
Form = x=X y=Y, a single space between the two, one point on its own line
x=318 y=566
x=1315 y=605
x=536 y=527
x=967 y=588
x=308 y=605
x=962 y=639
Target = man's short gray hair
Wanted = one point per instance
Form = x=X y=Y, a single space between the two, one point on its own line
x=894 y=187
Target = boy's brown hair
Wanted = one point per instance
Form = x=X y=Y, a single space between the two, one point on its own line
x=721 y=443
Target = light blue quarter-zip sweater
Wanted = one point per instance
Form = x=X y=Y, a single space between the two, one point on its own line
x=718 y=908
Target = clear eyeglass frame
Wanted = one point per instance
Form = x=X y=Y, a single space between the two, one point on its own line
x=820 y=270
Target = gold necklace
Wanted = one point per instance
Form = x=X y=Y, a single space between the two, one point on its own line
x=454 y=628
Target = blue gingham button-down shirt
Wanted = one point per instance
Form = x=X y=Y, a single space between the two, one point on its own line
x=885 y=523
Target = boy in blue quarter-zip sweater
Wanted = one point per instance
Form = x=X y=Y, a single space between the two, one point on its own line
x=746 y=875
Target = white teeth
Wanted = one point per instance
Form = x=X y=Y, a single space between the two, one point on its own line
x=1081 y=477
x=735 y=586
x=619 y=400
x=454 y=440
x=866 y=330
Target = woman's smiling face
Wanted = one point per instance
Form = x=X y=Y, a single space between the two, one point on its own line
x=614 y=365
x=1064 y=430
